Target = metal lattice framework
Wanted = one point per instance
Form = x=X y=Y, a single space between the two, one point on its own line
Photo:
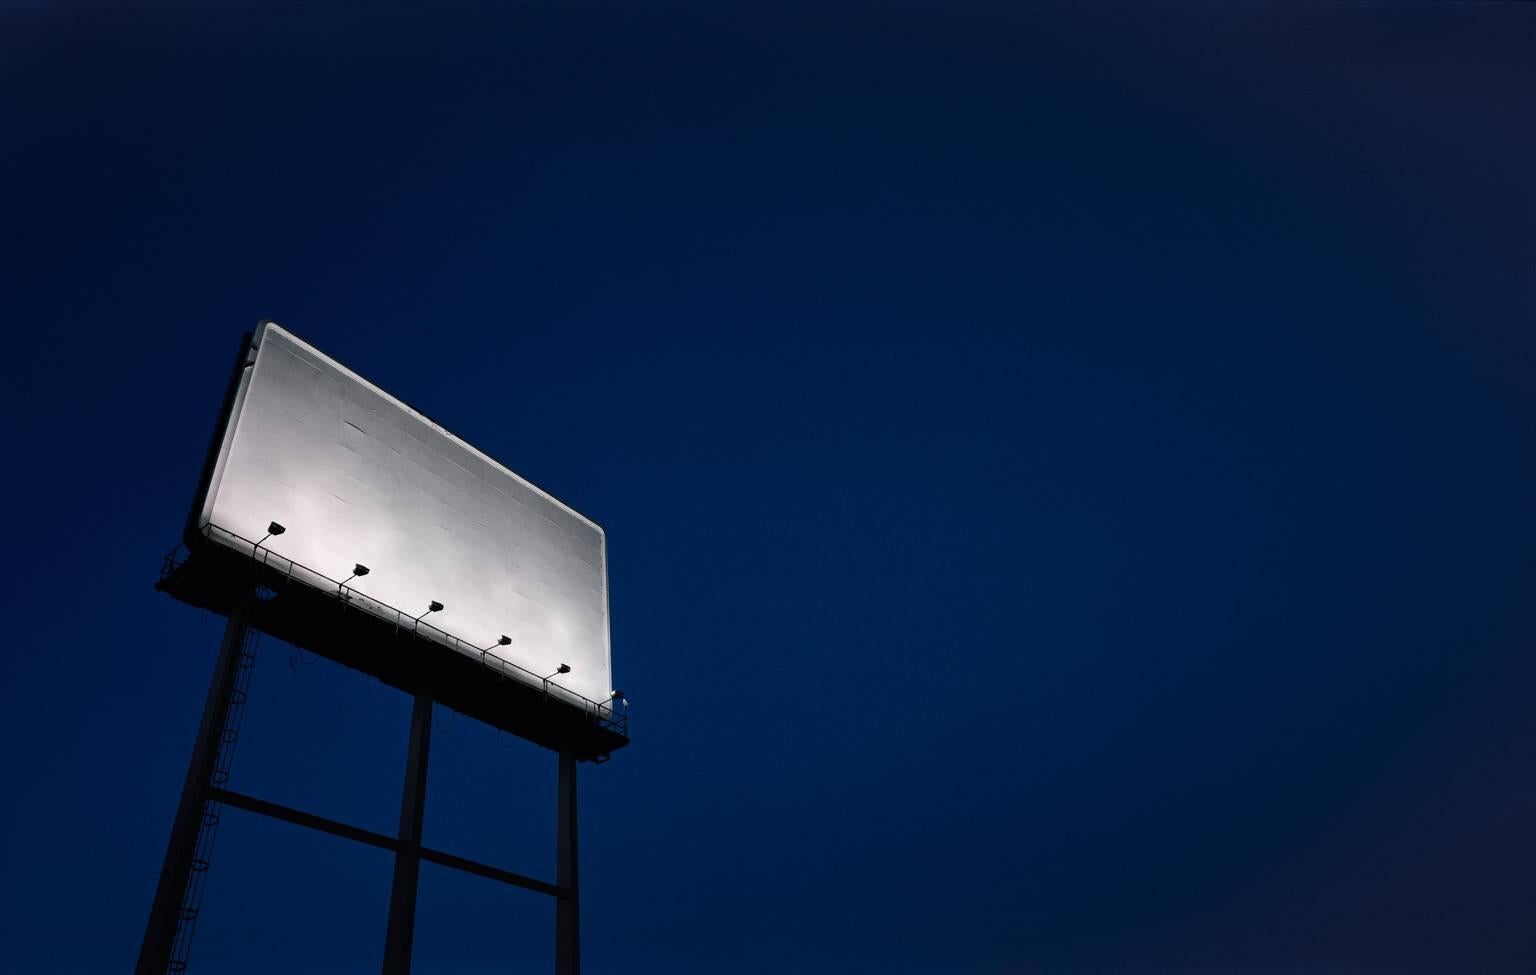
x=262 y=592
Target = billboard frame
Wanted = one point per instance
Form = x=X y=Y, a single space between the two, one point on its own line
x=212 y=573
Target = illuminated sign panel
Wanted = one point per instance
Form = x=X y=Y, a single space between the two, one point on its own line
x=355 y=476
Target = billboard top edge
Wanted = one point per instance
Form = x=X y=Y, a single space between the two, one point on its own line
x=266 y=324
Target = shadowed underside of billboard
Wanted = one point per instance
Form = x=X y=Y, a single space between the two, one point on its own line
x=403 y=551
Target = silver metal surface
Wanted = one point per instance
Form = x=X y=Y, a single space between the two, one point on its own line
x=356 y=476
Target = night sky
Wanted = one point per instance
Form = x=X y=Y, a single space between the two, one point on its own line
x=1067 y=473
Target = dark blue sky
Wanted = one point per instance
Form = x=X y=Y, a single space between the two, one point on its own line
x=1067 y=473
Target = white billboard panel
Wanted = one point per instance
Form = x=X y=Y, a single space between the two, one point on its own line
x=356 y=476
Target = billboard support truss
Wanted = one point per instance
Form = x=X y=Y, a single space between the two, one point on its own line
x=168 y=932
x=413 y=807
x=173 y=914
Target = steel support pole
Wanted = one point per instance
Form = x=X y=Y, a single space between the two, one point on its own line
x=413 y=802
x=180 y=852
x=567 y=906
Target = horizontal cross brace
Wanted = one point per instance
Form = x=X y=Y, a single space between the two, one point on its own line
x=300 y=818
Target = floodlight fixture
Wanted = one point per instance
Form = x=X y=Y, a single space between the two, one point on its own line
x=273 y=528
x=433 y=607
x=502 y=641
x=562 y=669
x=358 y=571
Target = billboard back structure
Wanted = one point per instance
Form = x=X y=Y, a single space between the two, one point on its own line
x=356 y=478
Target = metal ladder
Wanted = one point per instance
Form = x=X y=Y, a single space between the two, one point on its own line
x=223 y=744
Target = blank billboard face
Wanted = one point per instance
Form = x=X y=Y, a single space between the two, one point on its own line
x=356 y=476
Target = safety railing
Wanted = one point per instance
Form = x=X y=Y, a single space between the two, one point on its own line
x=602 y=713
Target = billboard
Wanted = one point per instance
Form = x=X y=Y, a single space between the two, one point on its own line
x=357 y=478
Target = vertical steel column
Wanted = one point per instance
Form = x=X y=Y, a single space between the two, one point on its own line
x=176 y=870
x=567 y=906
x=413 y=802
